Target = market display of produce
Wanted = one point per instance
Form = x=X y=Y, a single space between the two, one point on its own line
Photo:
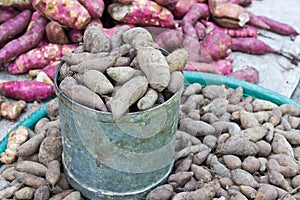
x=122 y=57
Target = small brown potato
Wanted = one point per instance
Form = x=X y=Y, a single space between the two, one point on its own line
x=73 y=196
x=122 y=61
x=162 y=192
x=179 y=179
x=52 y=109
x=294 y=121
x=76 y=58
x=220 y=169
x=100 y=64
x=148 y=100
x=25 y=193
x=30 y=180
x=61 y=195
x=289 y=109
x=8 y=173
x=196 y=128
x=31 y=146
x=63 y=182
x=293 y=136
x=86 y=97
x=190 y=185
x=242 y=177
x=239 y=147
x=266 y=191
x=214 y=91
x=97 y=82
x=95 y=41
x=31 y=167
x=155 y=67
x=116 y=40
x=236 y=96
x=42 y=192
x=184 y=164
x=53 y=132
x=123 y=50
x=248 y=120
x=65 y=85
x=275 y=116
x=209 y=118
x=278 y=179
x=232 y=161
x=296 y=151
x=251 y=164
x=226 y=182
x=210 y=141
x=264 y=147
x=176 y=81
x=128 y=94
x=281 y=145
x=53 y=172
x=261 y=105
x=50 y=149
x=206 y=192
x=177 y=59
x=137 y=37
x=201 y=156
x=34 y=157
x=9 y=191
x=296 y=181
x=194 y=88
x=201 y=174
x=194 y=114
x=122 y=74
x=217 y=106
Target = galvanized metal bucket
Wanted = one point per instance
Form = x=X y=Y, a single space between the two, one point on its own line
x=108 y=159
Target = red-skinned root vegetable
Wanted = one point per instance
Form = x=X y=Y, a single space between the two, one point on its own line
x=7 y=13
x=217 y=44
x=10 y=110
x=22 y=4
x=225 y=65
x=15 y=139
x=246 y=31
x=170 y=39
x=75 y=35
x=50 y=69
x=68 y=13
x=94 y=7
x=56 y=34
x=39 y=57
x=14 y=26
x=202 y=67
x=25 y=42
x=251 y=46
x=249 y=74
x=196 y=12
x=142 y=13
x=182 y=7
x=27 y=90
x=279 y=27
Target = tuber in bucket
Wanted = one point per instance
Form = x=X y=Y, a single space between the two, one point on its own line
x=124 y=159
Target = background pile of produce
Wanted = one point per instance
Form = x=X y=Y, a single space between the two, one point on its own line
x=35 y=34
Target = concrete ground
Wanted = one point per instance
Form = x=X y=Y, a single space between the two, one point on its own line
x=276 y=73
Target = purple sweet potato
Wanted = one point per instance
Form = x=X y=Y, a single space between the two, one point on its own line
x=7 y=13
x=196 y=12
x=249 y=74
x=28 y=90
x=25 y=42
x=182 y=7
x=56 y=34
x=196 y=52
x=279 y=27
x=251 y=45
x=22 y=4
x=217 y=44
x=75 y=35
x=39 y=57
x=95 y=7
x=225 y=65
x=245 y=31
x=67 y=12
x=50 y=69
x=202 y=67
x=142 y=13
x=170 y=39
x=200 y=30
x=14 y=26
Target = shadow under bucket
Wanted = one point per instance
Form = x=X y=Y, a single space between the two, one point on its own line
x=124 y=159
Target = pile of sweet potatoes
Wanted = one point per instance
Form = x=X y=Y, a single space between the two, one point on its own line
x=36 y=34
x=124 y=73
x=233 y=147
x=32 y=167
